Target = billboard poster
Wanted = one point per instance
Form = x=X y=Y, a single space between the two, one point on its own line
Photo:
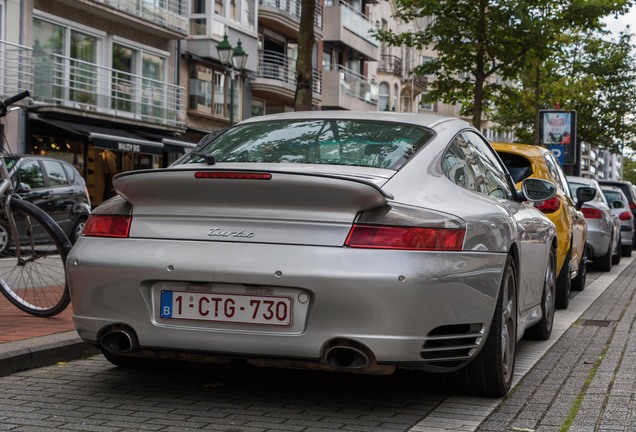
x=558 y=133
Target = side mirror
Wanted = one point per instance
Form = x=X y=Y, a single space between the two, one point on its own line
x=583 y=195
x=23 y=188
x=534 y=189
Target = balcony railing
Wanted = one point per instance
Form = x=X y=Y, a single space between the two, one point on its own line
x=293 y=8
x=276 y=66
x=355 y=85
x=74 y=83
x=171 y=14
x=355 y=21
x=16 y=69
x=390 y=64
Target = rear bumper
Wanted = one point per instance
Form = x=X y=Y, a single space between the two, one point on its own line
x=400 y=305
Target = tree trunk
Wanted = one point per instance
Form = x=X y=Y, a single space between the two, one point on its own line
x=304 y=64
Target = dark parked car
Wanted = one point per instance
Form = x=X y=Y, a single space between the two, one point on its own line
x=55 y=186
x=630 y=192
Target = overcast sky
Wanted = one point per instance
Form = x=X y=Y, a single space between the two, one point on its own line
x=621 y=23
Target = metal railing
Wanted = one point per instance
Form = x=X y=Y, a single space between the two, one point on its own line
x=78 y=84
x=16 y=68
x=355 y=21
x=355 y=85
x=171 y=14
x=277 y=66
x=293 y=8
x=390 y=64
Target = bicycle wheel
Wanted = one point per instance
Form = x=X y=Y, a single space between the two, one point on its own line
x=32 y=272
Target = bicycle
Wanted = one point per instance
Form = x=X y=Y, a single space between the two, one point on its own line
x=33 y=248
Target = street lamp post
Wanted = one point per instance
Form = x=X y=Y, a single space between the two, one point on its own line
x=234 y=60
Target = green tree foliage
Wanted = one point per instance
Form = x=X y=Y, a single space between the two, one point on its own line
x=629 y=169
x=586 y=72
x=483 y=46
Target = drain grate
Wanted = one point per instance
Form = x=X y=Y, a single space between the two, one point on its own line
x=597 y=323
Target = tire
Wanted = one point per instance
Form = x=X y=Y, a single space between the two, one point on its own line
x=578 y=283
x=77 y=229
x=543 y=329
x=616 y=257
x=626 y=251
x=33 y=278
x=5 y=237
x=564 y=284
x=491 y=372
x=604 y=263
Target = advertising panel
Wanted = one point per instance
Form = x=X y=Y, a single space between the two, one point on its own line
x=558 y=133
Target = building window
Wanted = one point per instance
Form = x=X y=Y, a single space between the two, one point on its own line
x=383 y=97
x=209 y=92
x=138 y=82
x=64 y=63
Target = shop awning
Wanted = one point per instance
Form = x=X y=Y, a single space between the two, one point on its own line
x=106 y=137
x=177 y=146
x=125 y=143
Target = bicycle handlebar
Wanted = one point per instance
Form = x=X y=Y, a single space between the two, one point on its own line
x=11 y=100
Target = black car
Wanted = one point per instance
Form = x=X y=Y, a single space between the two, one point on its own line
x=55 y=186
x=630 y=192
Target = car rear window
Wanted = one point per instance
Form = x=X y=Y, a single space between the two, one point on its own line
x=519 y=167
x=334 y=142
x=611 y=195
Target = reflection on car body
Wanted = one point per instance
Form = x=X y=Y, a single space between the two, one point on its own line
x=356 y=241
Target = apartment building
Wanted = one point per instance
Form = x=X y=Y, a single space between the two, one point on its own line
x=105 y=91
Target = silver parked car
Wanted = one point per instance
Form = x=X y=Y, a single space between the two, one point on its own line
x=619 y=205
x=334 y=240
x=603 y=227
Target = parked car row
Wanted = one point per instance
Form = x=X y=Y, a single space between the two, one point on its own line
x=564 y=210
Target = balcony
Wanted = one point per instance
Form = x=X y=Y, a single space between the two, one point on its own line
x=165 y=14
x=276 y=78
x=66 y=82
x=390 y=64
x=346 y=89
x=346 y=27
x=16 y=69
x=284 y=16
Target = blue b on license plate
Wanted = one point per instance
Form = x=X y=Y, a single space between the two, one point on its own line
x=231 y=308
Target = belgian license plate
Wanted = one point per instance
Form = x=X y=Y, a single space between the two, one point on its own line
x=231 y=308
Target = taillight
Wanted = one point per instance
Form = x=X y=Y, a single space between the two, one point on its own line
x=105 y=225
x=549 y=206
x=238 y=175
x=632 y=205
x=625 y=215
x=592 y=213
x=408 y=238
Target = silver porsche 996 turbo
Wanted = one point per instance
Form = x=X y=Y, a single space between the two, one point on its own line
x=346 y=241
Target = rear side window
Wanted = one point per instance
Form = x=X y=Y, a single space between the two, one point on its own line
x=519 y=167
x=70 y=172
x=30 y=173
x=55 y=173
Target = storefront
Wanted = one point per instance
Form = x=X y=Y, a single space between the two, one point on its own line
x=101 y=151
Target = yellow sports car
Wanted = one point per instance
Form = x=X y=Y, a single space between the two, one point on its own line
x=525 y=161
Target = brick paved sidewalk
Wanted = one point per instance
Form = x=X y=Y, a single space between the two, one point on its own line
x=16 y=325
x=587 y=380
